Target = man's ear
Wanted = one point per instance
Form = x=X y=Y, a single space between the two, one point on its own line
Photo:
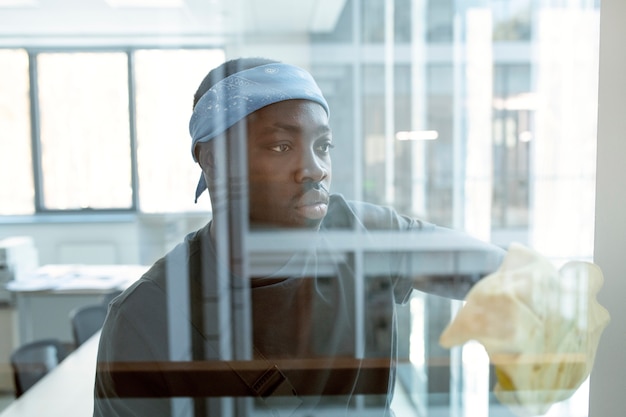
x=203 y=152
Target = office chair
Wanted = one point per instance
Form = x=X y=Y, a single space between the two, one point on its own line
x=32 y=361
x=109 y=297
x=86 y=321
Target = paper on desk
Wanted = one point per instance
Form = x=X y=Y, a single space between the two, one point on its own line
x=90 y=283
x=33 y=284
x=78 y=277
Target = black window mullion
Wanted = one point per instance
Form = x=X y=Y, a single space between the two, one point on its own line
x=35 y=132
x=132 y=125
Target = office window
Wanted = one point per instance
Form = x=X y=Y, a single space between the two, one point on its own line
x=16 y=168
x=84 y=131
x=502 y=86
x=374 y=15
x=513 y=126
x=89 y=137
x=165 y=82
x=440 y=21
x=512 y=20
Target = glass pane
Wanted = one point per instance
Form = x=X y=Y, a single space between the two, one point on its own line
x=166 y=81
x=16 y=168
x=499 y=84
x=85 y=135
x=459 y=128
x=449 y=113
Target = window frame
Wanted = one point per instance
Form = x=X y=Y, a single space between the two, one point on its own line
x=39 y=208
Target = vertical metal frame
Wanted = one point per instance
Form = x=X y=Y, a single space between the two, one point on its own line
x=35 y=131
x=132 y=127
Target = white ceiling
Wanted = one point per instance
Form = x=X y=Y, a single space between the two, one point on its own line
x=41 y=21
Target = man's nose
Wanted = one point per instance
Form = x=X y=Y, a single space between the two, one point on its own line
x=311 y=168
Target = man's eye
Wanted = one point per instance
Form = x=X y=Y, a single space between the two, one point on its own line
x=325 y=147
x=280 y=148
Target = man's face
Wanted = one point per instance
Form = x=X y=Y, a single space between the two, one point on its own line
x=289 y=166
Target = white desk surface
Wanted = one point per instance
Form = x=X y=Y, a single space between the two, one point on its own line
x=83 y=279
x=45 y=298
x=67 y=391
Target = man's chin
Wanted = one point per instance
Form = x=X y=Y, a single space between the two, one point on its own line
x=313 y=224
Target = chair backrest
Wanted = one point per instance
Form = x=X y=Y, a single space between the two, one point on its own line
x=110 y=297
x=86 y=321
x=32 y=361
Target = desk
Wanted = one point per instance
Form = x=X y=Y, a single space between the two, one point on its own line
x=66 y=391
x=45 y=298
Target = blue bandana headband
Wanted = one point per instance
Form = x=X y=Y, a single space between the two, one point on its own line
x=237 y=96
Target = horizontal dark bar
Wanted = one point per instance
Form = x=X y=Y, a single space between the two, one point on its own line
x=227 y=378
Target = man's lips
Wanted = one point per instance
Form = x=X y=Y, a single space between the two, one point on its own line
x=313 y=204
x=312 y=197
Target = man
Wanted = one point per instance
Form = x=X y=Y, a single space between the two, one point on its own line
x=302 y=307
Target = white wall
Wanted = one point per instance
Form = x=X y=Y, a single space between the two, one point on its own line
x=125 y=239
x=55 y=241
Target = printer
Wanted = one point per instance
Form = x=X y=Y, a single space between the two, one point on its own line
x=18 y=259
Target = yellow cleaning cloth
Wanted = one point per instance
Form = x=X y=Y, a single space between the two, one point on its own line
x=540 y=327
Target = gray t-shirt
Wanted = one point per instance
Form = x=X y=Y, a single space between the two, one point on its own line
x=307 y=315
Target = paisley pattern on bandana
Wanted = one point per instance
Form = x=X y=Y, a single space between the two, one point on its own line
x=245 y=92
